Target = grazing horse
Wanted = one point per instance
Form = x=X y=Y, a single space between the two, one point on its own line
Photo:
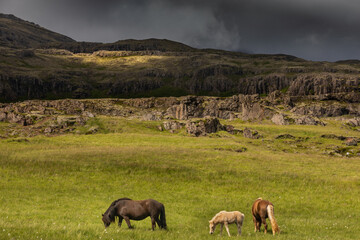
x=261 y=210
x=127 y=209
x=225 y=218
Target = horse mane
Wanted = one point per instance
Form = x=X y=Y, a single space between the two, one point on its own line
x=216 y=216
x=110 y=212
x=116 y=201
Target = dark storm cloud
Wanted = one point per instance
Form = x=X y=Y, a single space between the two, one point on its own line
x=312 y=29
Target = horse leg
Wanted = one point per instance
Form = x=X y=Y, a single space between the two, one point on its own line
x=255 y=223
x=120 y=221
x=227 y=229
x=221 y=228
x=259 y=225
x=127 y=220
x=239 y=225
x=153 y=225
x=158 y=221
x=263 y=220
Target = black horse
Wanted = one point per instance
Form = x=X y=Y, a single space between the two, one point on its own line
x=127 y=209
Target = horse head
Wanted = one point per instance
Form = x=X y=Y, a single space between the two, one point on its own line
x=106 y=220
x=212 y=227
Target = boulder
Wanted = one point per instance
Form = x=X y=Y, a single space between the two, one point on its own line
x=285 y=136
x=333 y=136
x=13 y=117
x=351 y=141
x=88 y=114
x=48 y=130
x=321 y=110
x=151 y=117
x=230 y=129
x=189 y=107
x=203 y=127
x=67 y=121
x=279 y=119
x=308 y=120
x=353 y=122
x=279 y=98
x=3 y=116
x=172 y=125
x=250 y=133
x=92 y=130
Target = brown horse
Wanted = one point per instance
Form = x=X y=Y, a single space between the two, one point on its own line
x=261 y=210
x=125 y=208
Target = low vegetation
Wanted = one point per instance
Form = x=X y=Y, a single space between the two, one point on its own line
x=57 y=187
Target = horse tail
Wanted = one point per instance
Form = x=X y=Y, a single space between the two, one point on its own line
x=274 y=225
x=162 y=217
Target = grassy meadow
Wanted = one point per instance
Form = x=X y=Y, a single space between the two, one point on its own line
x=58 y=187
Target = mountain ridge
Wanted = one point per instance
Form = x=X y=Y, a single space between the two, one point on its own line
x=18 y=33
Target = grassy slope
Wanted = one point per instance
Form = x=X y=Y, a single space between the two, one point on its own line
x=57 y=188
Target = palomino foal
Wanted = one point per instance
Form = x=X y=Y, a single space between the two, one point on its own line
x=225 y=218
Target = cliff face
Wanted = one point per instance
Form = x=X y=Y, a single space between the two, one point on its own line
x=13 y=88
x=325 y=87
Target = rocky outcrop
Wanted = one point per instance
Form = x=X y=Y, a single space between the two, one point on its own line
x=279 y=98
x=322 y=84
x=152 y=117
x=353 y=122
x=308 y=120
x=280 y=119
x=203 y=127
x=285 y=136
x=351 y=141
x=208 y=125
x=172 y=126
x=333 y=136
x=250 y=133
x=244 y=107
x=189 y=107
x=321 y=110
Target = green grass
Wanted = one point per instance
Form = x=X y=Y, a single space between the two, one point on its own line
x=57 y=187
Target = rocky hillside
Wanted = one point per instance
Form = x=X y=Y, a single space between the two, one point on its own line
x=35 y=117
x=17 y=33
x=56 y=67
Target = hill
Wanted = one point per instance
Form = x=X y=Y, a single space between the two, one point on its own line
x=52 y=66
x=162 y=45
x=17 y=33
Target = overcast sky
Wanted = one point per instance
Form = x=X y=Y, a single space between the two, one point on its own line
x=311 y=29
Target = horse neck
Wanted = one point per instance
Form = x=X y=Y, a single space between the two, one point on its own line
x=113 y=212
x=216 y=219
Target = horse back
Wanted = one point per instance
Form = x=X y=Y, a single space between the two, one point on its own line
x=139 y=209
x=259 y=208
x=149 y=202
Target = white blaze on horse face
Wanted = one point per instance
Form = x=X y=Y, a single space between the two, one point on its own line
x=212 y=227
